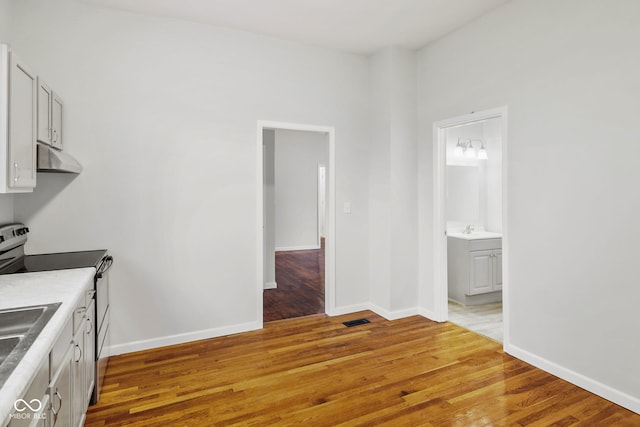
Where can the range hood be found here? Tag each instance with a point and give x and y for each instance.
(52, 160)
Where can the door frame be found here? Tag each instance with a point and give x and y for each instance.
(329, 268)
(322, 200)
(441, 310)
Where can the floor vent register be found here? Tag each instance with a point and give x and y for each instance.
(356, 322)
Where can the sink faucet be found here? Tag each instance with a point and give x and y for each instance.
(468, 229)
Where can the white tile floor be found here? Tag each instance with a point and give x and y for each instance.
(484, 319)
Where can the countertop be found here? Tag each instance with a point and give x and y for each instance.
(19, 290)
(476, 235)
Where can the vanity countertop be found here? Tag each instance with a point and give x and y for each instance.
(475, 235)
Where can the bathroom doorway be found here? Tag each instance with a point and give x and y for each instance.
(470, 194)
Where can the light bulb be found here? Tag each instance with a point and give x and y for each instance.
(482, 154)
(458, 151)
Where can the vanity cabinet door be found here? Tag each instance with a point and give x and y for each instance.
(480, 272)
(497, 270)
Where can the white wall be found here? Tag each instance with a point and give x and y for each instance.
(297, 156)
(568, 71)
(393, 190)
(6, 200)
(163, 116)
(5, 21)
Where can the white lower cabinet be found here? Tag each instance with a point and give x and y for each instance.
(77, 376)
(64, 382)
(485, 271)
(474, 268)
(60, 389)
(32, 409)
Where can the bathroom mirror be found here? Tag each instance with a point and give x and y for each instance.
(463, 193)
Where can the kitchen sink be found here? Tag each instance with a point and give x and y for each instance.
(7, 344)
(20, 320)
(19, 328)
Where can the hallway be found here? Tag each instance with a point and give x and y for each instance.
(300, 291)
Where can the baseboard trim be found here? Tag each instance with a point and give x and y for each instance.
(393, 315)
(616, 396)
(270, 285)
(431, 315)
(348, 309)
(296, 248)
(182, 338)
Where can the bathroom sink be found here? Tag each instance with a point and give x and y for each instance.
(19, 328)
(476, 235)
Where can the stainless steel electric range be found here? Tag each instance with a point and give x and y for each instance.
(14, 261)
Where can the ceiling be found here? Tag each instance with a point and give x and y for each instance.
(357, 26)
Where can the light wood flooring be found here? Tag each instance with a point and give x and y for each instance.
(485, 319)
(314, 371)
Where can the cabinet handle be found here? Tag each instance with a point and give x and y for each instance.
(53, 409)
(16, 175)
(90, 325)
(77, 360)
(55, 135)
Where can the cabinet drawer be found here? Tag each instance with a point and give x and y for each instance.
(484, 244)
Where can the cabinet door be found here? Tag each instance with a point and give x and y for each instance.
(56, 121)
(480, 272)
(89, 351)
(45, 97)
(497, 270)
(22, 125)
(78, 383)
(60, 393)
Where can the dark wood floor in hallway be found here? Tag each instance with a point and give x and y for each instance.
(300, 279)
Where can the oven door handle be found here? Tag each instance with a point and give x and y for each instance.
(105, 265)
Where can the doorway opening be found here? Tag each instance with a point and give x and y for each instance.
(296, 192)
(470, 200)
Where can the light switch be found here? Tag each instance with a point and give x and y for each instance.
(347, 207)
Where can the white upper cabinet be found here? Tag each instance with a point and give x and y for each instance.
(49, 116)
(18, 105)
(56, 121)
(45, 98)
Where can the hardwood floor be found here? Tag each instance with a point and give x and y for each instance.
(300, 279)
(314, 371)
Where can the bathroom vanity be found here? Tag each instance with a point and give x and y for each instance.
(474, 267)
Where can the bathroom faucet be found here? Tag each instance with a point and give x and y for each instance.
(468, 229)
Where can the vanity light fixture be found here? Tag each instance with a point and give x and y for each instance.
(464, 147)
